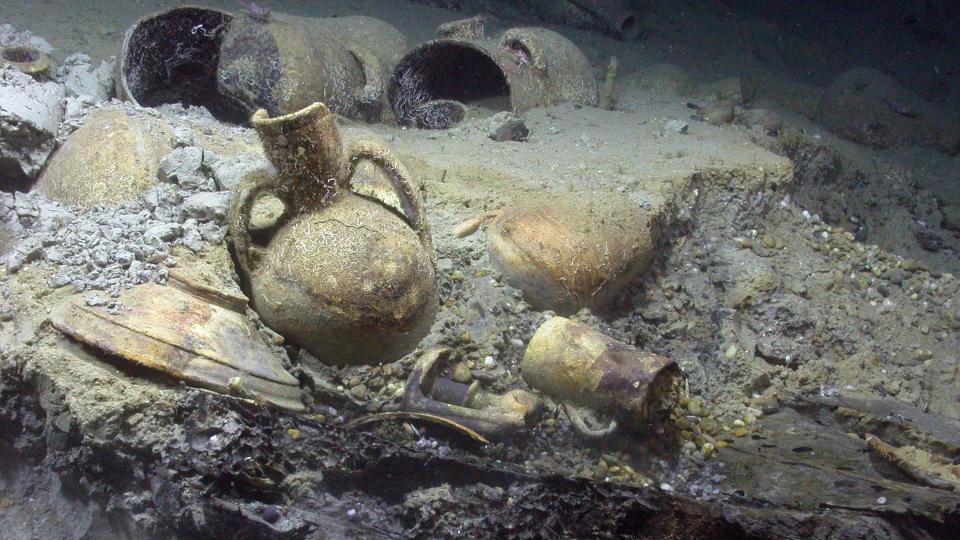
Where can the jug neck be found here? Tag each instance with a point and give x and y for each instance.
(306, 149)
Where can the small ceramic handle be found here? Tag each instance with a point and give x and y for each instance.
(239, 220)
(400, 179)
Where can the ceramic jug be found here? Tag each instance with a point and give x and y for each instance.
(347, 277)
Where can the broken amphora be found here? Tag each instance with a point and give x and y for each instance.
(577, 365)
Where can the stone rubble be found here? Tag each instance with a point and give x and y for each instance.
(109, 249)
(36, 115)
(30, 114)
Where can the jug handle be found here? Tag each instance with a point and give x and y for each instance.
(239, 220)
(372, 92)
(400, 179)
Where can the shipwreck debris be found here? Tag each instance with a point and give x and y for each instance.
(191, 330)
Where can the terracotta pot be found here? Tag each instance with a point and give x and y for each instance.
(285, 63)
(342, 275)
(29, 60)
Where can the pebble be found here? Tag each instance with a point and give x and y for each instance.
(707, 449)
(360, 392)
(461, 373)
(270, 514)
(507, 126)
(676, 126)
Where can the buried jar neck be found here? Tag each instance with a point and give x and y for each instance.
(306, 148)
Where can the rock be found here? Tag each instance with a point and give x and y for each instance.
(123, 258)
(749, 277)
(507, 126)
(360, 392)
(267, 211)
(30, 115)
(211, 232)
(951, 217)
(80, 79)
(722, 90)
(24, 253)
(160, 233)
(869, 107)
(183, 166)
(676, 126)
(928, 239)
(111, 159)
(53, 217)
(207, 206)
(182, 136)
(229, 172)
(461, 373)
(764, 119)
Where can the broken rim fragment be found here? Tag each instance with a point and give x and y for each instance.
(573, 363)
(189, 331)
(522, 69)
(29, 60)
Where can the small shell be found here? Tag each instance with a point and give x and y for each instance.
(473, 224)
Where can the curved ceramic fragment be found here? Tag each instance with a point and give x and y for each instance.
(193, 337)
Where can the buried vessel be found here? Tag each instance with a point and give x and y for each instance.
(565, 254)
(579, 366)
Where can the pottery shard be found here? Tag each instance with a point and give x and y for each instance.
(111, 159)
(191, 331)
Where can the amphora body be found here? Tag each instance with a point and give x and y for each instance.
(343, 275)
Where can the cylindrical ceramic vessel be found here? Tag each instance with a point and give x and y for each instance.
(523, 68)
(573, 363)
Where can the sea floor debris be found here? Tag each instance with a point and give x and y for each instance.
(816, 330)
